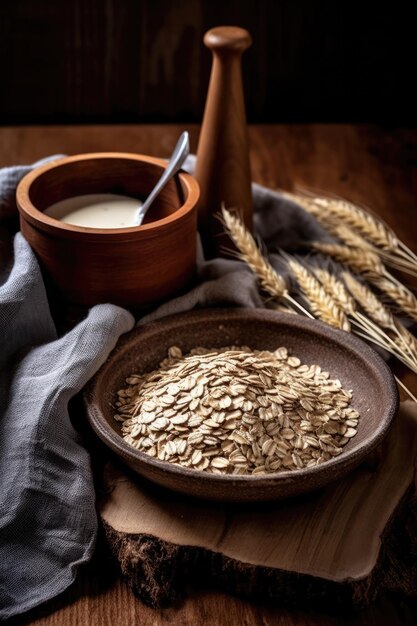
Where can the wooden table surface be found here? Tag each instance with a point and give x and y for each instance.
(367, 164)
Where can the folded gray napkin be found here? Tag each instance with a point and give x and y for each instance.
(48, 522)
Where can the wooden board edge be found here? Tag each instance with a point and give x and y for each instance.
(160, 573)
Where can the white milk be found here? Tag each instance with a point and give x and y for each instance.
(104, 210)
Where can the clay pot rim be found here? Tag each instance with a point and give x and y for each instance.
(38, 219)
(352, 346)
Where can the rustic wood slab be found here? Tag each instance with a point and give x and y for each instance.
(334, 547)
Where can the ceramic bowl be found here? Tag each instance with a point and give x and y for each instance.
(136, 267)
(346, 357)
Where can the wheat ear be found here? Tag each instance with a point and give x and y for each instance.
(403, 343)
(351, 238)
(361, 220)
(321, 304)
(248, 251)
(363, 326)
(336, 289)
(325, 307)
(369, 302)
(400, 295)
(338, 214)
(364, 262)
(371, 227)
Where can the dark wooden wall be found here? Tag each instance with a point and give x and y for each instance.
(143, 60)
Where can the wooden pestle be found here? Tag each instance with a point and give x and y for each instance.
(223, 169)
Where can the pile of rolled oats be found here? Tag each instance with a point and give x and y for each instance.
(237, 411)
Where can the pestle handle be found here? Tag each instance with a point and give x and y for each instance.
(227, 39)
(223, 170)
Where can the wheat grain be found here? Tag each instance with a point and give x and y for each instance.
(400, 295)
(367, 263)
(321, 304)
(369, 302)
(362, 261)
(352, 239)
(367, 224)
(336, 290)
(248, 252)
(338, 214)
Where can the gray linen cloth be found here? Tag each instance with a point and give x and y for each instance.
(48, 522)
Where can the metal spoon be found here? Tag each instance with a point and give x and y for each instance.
(178, 157)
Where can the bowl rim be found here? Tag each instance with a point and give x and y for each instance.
(37, 218)
(348, 341)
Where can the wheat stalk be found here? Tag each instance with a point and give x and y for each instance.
(363, 221)
(400, 295)
(406, 341)
(272, 282)
(248, 251)
(321, 304)
(362, 326)
(370, 227)
(365, 262)
(336, 289)
(282, 308)
(403, 344)
(406, 389)
(350, 214)
(352, 239)
(353, 222)
(367, 329)
(369, 302)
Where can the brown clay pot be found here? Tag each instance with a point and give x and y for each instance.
(137, 266)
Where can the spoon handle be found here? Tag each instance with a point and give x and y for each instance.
(180, 153)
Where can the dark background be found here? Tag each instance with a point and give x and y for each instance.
(144, 61)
